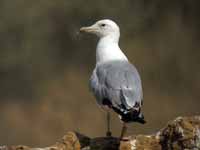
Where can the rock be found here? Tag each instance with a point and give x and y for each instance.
(183, 133)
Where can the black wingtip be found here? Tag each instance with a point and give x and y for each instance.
(141, 119)
(131, 117)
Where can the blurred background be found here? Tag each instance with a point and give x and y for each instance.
(45, 65)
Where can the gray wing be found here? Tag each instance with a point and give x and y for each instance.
(119, 82)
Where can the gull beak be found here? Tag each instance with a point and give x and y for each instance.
(90, 29)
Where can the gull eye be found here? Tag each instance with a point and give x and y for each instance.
(103, 25)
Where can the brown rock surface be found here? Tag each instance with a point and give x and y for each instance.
(183, 133)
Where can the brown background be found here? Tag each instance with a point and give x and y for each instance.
(45, 65)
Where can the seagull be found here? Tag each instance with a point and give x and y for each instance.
(115, 82)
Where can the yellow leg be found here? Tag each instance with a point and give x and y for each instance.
(108, 133)
(123, 132)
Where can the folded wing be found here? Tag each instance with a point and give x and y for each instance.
(118, 82)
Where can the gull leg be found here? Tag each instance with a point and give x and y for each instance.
(123, 132)
(108, 133)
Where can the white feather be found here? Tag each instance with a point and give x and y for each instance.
(108, 49)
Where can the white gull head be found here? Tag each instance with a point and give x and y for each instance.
(107, 47)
